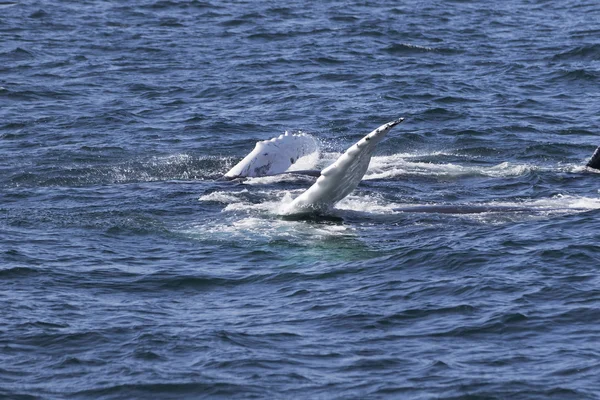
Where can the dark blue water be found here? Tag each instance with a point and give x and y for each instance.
(127, 270)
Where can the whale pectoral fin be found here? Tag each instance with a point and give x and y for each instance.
(340, 178)
(595, 160)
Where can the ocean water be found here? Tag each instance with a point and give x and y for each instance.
(128, 270)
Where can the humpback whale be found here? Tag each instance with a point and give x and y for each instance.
(276, 156)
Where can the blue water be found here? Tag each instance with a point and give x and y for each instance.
(127, 270)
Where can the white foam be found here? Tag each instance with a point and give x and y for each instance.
(417, 47)
(266, 206)
(578, 168)
(372, 204)
(257, 229)
(267, 180)
(385, 167)
(223, 197)
(278, 199)
(557, 203)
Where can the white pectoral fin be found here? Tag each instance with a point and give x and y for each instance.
(340, 178)
(275, 156)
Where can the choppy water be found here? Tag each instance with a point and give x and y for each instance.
(128, 271)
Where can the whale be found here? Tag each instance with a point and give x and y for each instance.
(274, 156)
(341, 178)
(278, 156)
(594, 162)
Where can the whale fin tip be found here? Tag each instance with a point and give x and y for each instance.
(594, 162)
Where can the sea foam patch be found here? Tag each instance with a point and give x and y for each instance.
(385, 167)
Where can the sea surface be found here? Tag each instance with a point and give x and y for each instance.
(128, 270)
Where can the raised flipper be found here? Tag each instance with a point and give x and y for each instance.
(595, 160)
(340, 178)
(275, 156)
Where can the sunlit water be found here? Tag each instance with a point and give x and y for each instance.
(128, 270)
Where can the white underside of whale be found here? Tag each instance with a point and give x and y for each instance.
(274, 156)
(340, 178)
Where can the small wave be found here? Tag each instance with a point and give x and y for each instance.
(17, 272)
(268, 36)
(165, 4)
(245, 19)
(162, 280)
(178, 166)
(17, 54)
(339, 76)
(222, 197)
(344, 18)
(561, 202)
(171, 389)
(164, 168)
(453, 100)
(173, 167)
(39, 14)
(36, 93)
(585, 52)
(408, 48)
(6, 4)
(579, 74)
